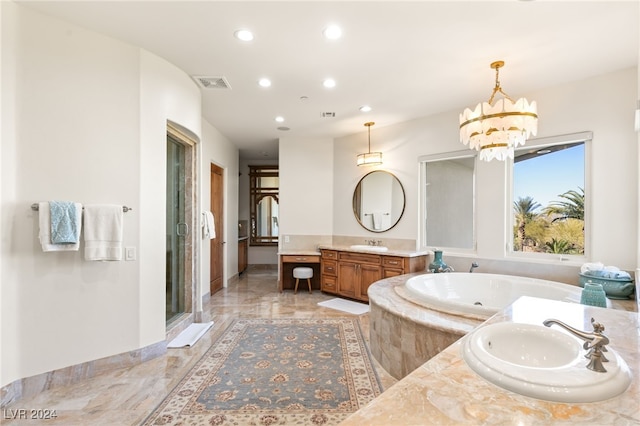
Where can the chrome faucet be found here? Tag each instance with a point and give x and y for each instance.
(373, 242)
(595, 342)
(447, 269)
(474, 265)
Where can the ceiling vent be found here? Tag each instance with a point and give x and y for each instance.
(328, 114)
(212, 82)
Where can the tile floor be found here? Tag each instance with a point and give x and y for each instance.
(127, 396)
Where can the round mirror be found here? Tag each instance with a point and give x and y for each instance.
(378, 201)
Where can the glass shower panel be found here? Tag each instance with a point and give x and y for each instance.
(176, 229)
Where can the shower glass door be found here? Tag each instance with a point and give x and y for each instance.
(177, 229)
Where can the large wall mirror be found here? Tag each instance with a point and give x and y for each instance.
(264, 186)
(378, 201)
(448, 201)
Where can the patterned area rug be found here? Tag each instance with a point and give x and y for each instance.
(276, 372)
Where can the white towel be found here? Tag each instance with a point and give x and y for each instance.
(103, 229)
(208, 225)
(44, 222)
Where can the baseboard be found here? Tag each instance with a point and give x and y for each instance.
(31, 386)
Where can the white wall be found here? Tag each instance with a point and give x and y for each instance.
(306, 186)
(603, 105)
(84, 119)
(220, 151)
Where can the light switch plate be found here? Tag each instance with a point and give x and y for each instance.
(130, 253)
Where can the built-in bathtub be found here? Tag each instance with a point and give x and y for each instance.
(405, 334)
(480, 295)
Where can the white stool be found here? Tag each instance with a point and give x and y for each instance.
(302, 272)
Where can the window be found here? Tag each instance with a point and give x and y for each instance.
(548, 197)
(447, 206)
(263, 203)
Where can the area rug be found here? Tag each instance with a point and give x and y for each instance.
(345, 306)
(275, 372)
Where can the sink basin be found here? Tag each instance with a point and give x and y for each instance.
(541, 362)
(369, 248)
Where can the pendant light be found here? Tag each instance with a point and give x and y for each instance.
(369, 158)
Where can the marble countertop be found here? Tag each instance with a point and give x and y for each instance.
(445, 390)
(389, 252)
(299, 253)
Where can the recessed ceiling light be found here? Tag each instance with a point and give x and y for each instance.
(329, 83)
(283, 128)
(279, 119)
(264, 82)
(365, 108)
(543, 151)
(244, 35)
(332, 32)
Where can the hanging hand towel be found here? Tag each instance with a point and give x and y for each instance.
(65, 222)
(103, 229)
(44, 222)
(377, 220)
(208, 225)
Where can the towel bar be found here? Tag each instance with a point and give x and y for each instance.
(36, 207)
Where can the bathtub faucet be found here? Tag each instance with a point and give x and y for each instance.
(447, 269)
(474, 265)
(595, 342)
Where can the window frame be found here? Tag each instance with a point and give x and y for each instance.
(422, 197)
(538, 143)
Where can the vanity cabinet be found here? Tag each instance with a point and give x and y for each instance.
(349, 274)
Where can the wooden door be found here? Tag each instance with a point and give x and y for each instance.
(216, 268)
(368, 275)
(348, 278)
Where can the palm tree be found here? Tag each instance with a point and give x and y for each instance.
(525, 211)
(559, 246)
(571, 208)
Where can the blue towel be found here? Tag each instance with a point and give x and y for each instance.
(65, 227)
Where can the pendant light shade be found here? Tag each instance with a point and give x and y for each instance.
(496, 128)
(369, 158)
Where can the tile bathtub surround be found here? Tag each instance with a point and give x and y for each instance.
(404, 335)
(127, 395)
(446, 391)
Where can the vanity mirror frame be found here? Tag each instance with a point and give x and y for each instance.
(258, 192)
(357, 200)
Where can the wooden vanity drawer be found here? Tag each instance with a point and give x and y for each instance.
(373, 259)
(393, 262)
(329, 267)
(300, 259)
(328, 284)
(329, 254)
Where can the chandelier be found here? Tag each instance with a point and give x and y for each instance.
(495, 129)
(369, 158)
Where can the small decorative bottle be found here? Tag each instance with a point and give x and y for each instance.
(438, 264)
(594, 295)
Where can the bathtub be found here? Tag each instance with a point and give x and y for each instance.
(478, 295)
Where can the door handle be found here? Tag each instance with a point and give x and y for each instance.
(182, 229)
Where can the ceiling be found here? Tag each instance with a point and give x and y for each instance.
(404, 59)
